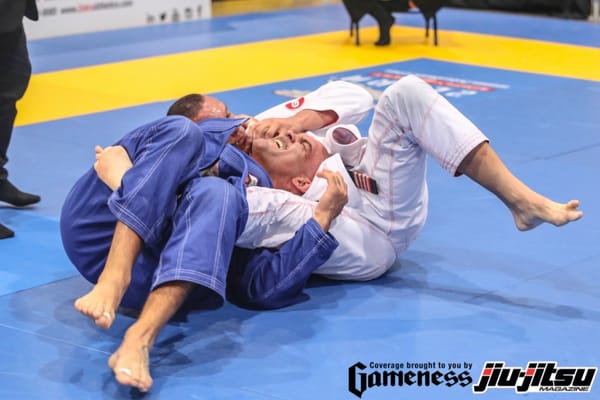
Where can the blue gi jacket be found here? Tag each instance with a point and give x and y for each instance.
(275, 278)
(168, 155)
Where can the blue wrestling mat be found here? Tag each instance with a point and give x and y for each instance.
(470, 291)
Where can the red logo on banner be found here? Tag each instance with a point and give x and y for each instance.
(296, 103)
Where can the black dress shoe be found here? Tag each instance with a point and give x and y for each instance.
(5, 233)
(383, 41)
(10, 194)
(384, 32)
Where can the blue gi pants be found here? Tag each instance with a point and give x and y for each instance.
(188, 223)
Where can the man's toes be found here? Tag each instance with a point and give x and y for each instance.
(125, 371)
(107, 315)
(105, 319)
(144, 385)
(125, 377)
(79, 305)
(112, 361)
(573, 204)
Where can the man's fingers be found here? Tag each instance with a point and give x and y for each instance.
(267, 129)
(332, 177)
(272, 131)
(257, 129)
(336, 186)
(261, 131)
(324, 173)
(333, 200)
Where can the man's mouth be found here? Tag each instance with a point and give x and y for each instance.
(280, 144)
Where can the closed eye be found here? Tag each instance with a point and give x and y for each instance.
(307, 147)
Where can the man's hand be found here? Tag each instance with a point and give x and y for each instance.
(111, 164)
(302, 121)
(242, 137)
(333, 200)
(272, 127)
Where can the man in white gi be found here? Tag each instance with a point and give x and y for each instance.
(411, 120)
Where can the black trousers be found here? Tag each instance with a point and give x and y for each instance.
(15, 72)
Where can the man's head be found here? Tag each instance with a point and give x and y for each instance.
(291, 160)
(198, 107)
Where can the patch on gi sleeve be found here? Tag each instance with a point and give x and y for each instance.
(294, 104)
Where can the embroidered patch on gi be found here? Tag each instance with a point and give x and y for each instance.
(294, 104)
(364, 182)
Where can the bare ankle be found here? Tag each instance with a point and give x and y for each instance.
(142, 335)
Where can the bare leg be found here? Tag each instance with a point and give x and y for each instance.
(101, 303)
(130, 362)
(529, 209)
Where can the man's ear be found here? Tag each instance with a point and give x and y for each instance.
(301, 184)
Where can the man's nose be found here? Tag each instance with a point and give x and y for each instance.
(292, 136)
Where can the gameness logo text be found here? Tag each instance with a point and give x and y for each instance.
(397, 375)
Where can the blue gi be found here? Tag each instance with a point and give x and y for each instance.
(188, 223)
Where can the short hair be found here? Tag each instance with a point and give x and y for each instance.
(188, 106)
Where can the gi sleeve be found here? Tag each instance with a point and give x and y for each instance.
(274, 278)
(350, 102)
(363, 251)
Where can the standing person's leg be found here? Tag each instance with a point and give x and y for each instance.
(211, 216)
(384, 19)
(15, 71)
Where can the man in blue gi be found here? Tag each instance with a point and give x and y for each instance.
(139, 239)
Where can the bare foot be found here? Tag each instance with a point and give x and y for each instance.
(111, 164)
(101, 303)
(542, 209)
(131, 364)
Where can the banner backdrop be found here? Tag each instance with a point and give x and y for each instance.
(66, 17)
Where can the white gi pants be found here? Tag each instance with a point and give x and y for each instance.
(411, 120)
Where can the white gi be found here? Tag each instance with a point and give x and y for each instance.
(411, 120)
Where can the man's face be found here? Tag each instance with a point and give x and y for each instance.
(212, 108)
(289, 156)
(285, 158)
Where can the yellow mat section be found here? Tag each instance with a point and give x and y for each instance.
(80, 91)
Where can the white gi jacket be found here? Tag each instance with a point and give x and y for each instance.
(411, 120)
(364, 252)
